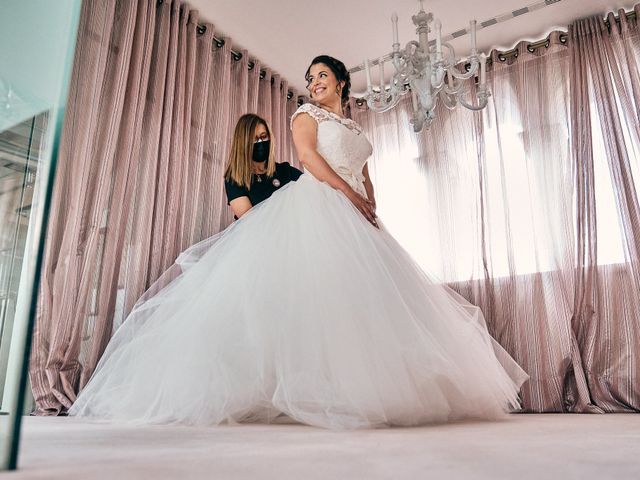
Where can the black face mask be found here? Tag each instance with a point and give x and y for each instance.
(261, 151)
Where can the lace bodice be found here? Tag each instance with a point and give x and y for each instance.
(341, 143)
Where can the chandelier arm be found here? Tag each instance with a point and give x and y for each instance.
(448, 100)
(465, 76)
(395, 61)
(405, 71)
(451, 57)
(381, 102)
(454, 88)
(435, 91)
(454, 91)
(387, 107)
(483, 100)
(397, 87)
(392, 103)
(380, 109)
(402, 66)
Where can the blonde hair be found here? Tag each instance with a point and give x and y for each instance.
(240, 164)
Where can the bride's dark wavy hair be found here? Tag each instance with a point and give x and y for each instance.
(338, 69)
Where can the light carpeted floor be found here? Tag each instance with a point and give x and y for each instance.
(537, 447)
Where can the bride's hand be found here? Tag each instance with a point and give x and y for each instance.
(365, 206)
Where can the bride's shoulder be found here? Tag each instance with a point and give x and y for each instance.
(315, 112)
(309, 107)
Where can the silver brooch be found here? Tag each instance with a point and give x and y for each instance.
(276, 182)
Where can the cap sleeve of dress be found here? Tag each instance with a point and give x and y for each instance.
(310, 109)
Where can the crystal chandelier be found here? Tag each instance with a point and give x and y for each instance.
(430, 73)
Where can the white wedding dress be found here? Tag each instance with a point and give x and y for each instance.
(303, 308)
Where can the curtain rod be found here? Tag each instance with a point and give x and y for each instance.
(237, 56)
(532, 47)
(514, 52)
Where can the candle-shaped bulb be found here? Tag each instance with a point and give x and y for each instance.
(472, 28)
(367, 71)
(381, 69)
(394, 25)
(438, 27)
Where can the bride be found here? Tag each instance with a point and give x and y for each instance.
(305, 307)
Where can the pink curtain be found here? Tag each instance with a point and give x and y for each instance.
(606, 157)
(151, 110)
(529, 210)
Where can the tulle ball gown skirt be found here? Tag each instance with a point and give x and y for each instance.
(301, 308)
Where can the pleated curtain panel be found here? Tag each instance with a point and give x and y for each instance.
(528, 209)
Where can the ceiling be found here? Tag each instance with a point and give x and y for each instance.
(287, 34)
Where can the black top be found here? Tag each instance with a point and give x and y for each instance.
(263, 186)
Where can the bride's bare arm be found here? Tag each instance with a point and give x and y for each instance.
(368, 186)
(304, 132)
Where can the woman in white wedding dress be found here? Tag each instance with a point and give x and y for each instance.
(306, 306)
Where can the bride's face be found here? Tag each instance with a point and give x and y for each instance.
(322, 83)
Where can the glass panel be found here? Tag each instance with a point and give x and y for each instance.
(37, 42)
(20, 150)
